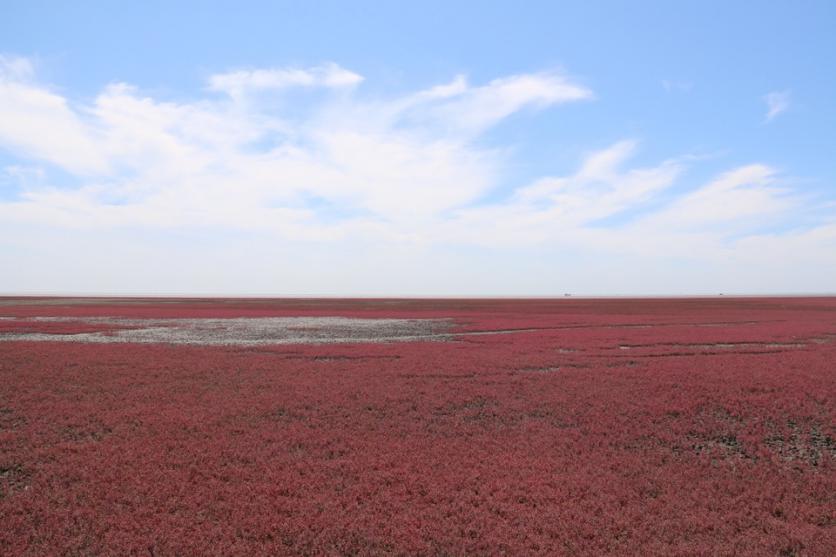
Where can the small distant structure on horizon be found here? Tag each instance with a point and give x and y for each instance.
(567, 295)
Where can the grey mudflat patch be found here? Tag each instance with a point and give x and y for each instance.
(243, 331)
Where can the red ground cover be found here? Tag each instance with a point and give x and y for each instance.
(652, 427)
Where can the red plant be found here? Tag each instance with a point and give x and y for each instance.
(600, 426)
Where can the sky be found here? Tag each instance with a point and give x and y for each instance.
(417, 148)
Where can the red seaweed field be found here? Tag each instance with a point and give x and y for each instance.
(694, 426)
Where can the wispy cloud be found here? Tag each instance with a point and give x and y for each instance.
(15, 68)
(671, 85)
(777, 102)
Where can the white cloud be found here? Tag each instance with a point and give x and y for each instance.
(38, 123)
(232, 163)
(777, 102)
(735, 195)
(382, 187)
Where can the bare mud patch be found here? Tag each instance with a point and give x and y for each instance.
(241, 331)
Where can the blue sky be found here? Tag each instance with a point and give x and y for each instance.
(489, 148)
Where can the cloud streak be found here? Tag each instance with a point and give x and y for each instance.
(238, 83)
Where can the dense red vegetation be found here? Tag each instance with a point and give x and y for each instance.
(699, 426)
